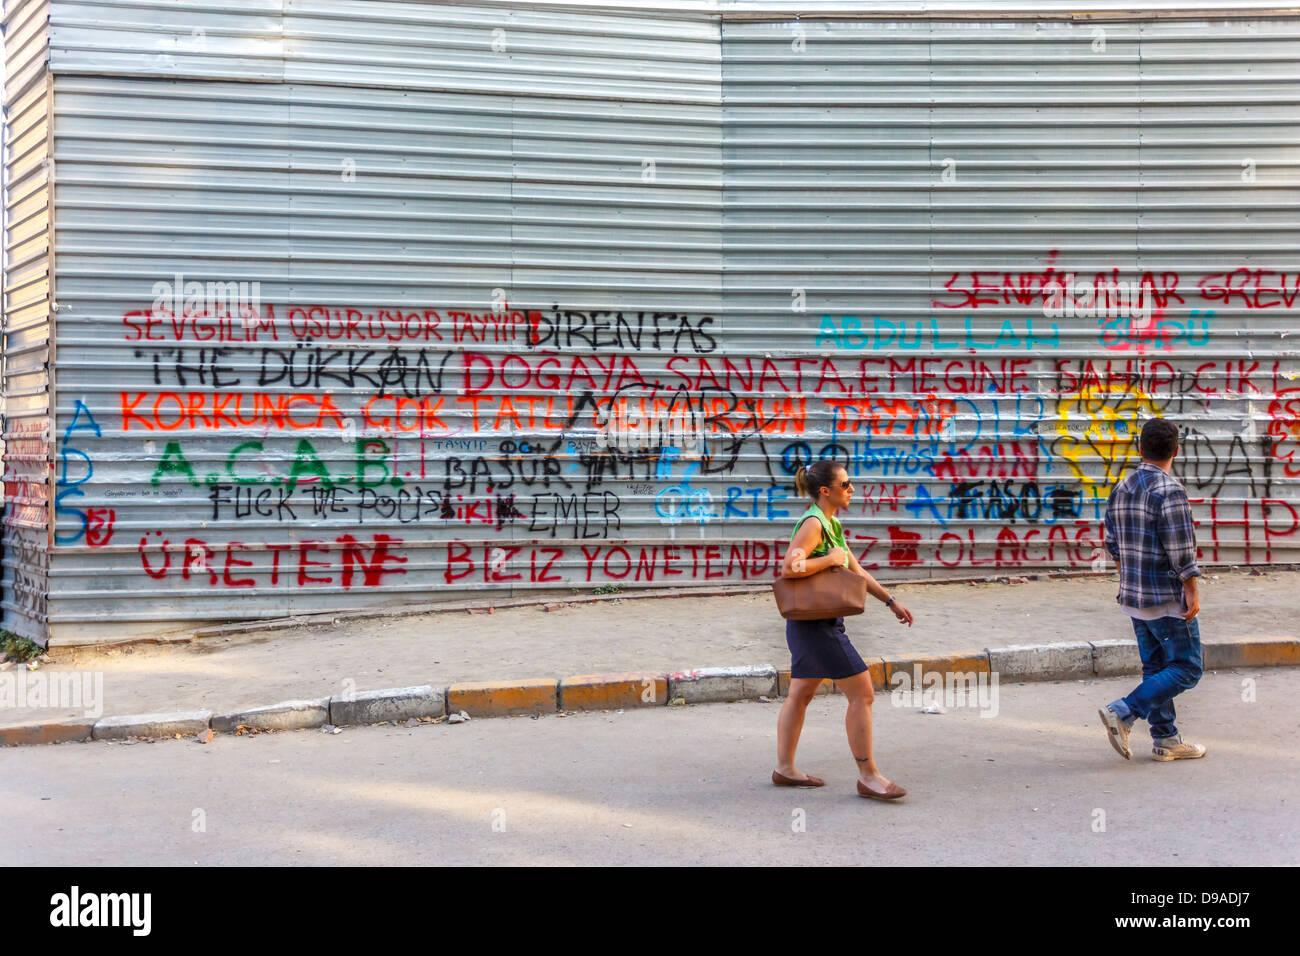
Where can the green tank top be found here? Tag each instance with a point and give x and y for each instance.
(832, 533)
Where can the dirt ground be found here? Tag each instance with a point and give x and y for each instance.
(655, 634)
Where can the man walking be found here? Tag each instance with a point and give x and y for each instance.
(1149, 533)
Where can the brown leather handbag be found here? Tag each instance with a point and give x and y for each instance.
(833, 592)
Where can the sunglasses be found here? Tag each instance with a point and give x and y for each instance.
(843, 484)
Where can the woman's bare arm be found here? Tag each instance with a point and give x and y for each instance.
(879, 593)
(807, 538)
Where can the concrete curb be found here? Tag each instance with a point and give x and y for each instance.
(1115, 658)
(51, 733)
(541, 696)
(152, 725)
(505, 698)
(1260, 652)
(374, 706)
(287, 715)
(613, 691)
(718, 684)
(1041, 661)
(941, 663)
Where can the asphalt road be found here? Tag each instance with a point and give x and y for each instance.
(1035, 784)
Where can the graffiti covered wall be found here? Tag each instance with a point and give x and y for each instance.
(26, 380)
(511, 299)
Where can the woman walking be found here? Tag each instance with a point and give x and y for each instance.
(821, 649)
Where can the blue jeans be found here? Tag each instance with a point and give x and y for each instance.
(1170, 649)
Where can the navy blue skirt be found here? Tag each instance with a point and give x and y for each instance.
(822, 649)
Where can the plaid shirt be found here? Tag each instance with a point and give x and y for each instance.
(1149, 530)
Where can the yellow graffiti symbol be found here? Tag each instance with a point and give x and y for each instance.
(1101, 424)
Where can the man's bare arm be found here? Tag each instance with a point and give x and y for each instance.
(1192, 598)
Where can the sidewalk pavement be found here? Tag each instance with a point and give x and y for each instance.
(259, 666)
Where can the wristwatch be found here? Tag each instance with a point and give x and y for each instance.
(890, 601)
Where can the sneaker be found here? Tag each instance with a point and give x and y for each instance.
(1117, 732)
(1175, 748)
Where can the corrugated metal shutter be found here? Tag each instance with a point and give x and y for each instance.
(924, 181)
(416, 175)
(815, 239)
(26, 380)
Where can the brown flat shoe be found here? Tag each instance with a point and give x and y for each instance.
(783, 781)
(892, 793)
